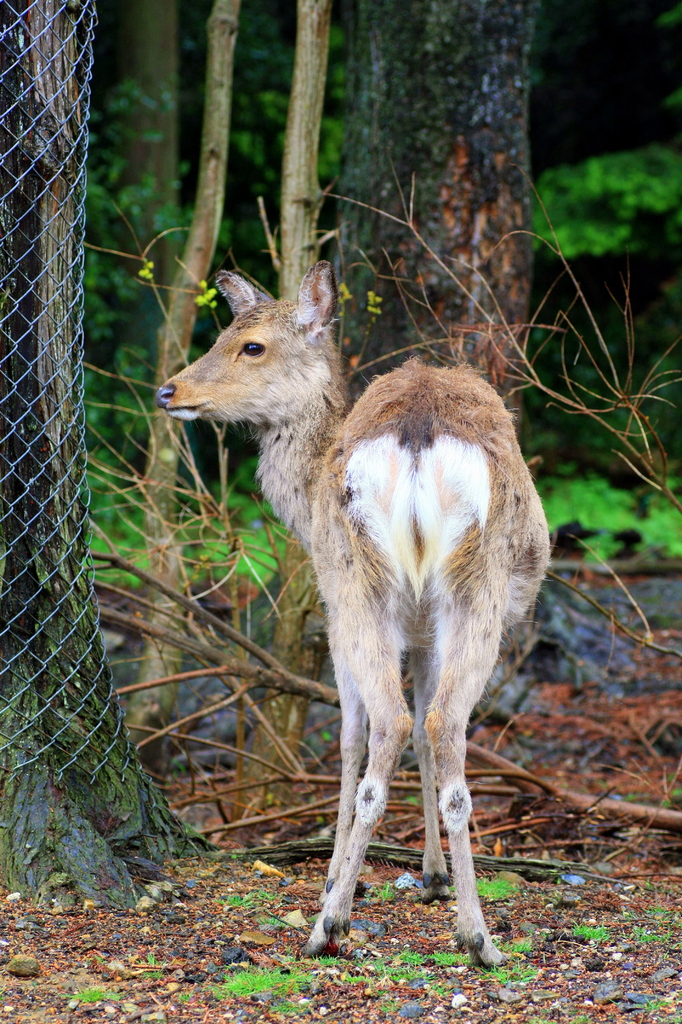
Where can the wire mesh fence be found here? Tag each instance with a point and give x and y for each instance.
(56, 688)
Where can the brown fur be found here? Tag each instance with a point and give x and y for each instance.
(294, 395)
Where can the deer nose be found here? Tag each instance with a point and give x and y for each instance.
(164, 395)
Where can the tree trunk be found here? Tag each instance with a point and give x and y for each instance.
(300, 207)
(148, 58)
(154, 708)
(437, 94)
(73, 800)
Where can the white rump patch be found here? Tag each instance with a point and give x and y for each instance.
(417, 508)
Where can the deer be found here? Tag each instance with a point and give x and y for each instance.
(428, 540)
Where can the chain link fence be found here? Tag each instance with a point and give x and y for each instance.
(56, 705)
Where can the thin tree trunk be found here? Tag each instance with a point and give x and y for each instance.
(73, 800)
(148, 56)
(300, 208)
(437, 96)
(155, 707)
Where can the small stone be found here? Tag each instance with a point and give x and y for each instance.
(22, 966)
(543, 995)
(418, 983)
(174, 918)
(568, 899)
(406, 881)
(295, 919)
(159, 1016)
(607, 992)
(110, 1009)
(411, 1010)
(638, 998)
(258, 938)
(178, 975)
(144, 905)
(373, 928)
(13, 897)
(155, 892)
(573, 879)
(73, 1004)
(458, 1001)
(119, 970)
(235, 955)
(507, 995)
(665, 973)
(172, 987)
(89, 905)
(595, 963)
(128, 1007)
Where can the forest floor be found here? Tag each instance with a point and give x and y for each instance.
(219, 940)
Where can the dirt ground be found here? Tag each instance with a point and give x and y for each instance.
(226, 951)
(221, 940)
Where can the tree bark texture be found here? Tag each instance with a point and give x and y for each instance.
(154, 708)
(437, 96)
(301, 197)
(300, 207)
(73, 800)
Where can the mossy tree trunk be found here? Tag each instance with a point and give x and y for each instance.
(437, 94)
(300, 207)
(74, 802)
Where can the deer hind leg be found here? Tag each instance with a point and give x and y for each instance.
(467, 657)
(435, 872)
(373, 658)
(353, 746)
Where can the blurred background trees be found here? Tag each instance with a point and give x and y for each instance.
(605, 125)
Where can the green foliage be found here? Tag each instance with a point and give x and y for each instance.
(593, 933)
(250, 981)
(513, 971)
(409, 956)
(599, 506)
(496, 888)
(96, 995)
(614, 203)
(450, 959)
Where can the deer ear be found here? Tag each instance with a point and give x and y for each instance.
(240, 293)
(317, 300)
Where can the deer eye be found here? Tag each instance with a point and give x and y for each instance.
(252, 348)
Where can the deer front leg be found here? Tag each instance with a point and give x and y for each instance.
(435, 873)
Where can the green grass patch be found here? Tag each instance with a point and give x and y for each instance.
(252, 981)
(449, 959)
(96, 995)
(496, 888)
(408, 956)
(641, 934)
(511, 972)
(592, 933)
(386, 892)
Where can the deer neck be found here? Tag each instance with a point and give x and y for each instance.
(292, 455)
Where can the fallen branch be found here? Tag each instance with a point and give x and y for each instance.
(401, 856)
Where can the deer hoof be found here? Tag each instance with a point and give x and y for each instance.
(326, 937)
(481, 949)
(436, 887)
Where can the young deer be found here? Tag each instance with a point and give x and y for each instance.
(427, 535)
